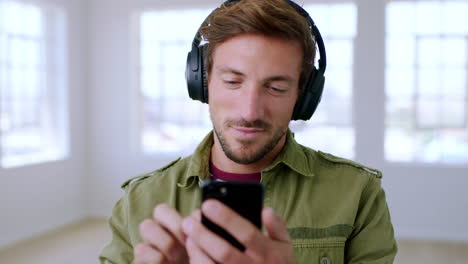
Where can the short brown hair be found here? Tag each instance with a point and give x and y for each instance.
(273, 18)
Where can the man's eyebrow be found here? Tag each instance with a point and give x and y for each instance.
(284, 78)
(225, 69)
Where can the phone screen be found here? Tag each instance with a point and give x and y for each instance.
(246, 198)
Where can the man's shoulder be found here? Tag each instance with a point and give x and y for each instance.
(173, 169)
(327, 162)
(336, 162)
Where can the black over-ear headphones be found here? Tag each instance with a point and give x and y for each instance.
(195, 72)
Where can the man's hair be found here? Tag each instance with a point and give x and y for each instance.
(272, 18)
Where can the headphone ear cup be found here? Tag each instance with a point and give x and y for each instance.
(195, 75)
(310, 97)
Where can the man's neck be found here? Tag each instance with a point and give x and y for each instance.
(221, 161)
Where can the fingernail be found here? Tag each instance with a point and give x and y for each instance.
(187, 225)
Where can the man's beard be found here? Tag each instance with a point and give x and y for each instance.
(255, 156)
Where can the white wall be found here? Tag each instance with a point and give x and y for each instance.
(38, 198)
(428, 203)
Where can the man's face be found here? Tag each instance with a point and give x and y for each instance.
(253, 87)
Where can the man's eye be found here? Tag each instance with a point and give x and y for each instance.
(230, 82)
(277, 90)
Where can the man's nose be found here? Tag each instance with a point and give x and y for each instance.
(252, 103)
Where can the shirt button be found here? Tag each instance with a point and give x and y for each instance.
(325, 260)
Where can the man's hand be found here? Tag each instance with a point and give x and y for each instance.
(204, 246)
(164, 241)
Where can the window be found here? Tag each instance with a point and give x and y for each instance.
(330, 129)
(170, 121)
(32, 83)
(426, 82)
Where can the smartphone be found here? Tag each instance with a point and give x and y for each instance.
(245, 198)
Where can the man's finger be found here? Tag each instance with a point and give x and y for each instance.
(214, 246)
(195, 253)
(146, 254)
(275, 225)
(170, 219)
(197, 215)
(156, 236)
(239, 227)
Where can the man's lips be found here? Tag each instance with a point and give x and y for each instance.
(247, 133)
(248, 129)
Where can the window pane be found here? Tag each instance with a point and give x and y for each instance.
(428, 17)
(400, 19)
(400, 52)
(400, 113)
(428, 113)
(429, 82)
(174, 84)
(429, 51)
(453, 112)
(455, 18)
(401, 81)
(150, 83)
(427, 101)
(454, 51)
(340, 50)
(454, 82)
(337, 24)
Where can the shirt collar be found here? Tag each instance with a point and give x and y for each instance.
(293, 156)
(198, 168)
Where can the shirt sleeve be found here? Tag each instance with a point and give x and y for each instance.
(119, 250)
(372, 240)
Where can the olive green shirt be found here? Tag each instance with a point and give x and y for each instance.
(335, 209)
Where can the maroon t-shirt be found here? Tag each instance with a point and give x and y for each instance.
(219, 175)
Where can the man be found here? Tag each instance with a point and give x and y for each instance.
(318, 208)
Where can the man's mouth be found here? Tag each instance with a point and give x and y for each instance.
(247, 132)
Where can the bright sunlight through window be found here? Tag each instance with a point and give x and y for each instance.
(330, 129)
(32, 84)
(171, 121)
(426, 82)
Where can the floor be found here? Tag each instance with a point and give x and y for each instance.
(80, 243)
(75, 244)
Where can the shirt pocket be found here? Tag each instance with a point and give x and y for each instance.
(319, 251)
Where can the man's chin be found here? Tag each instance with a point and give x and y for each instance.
(246, 145)
(245, 151)
(243, 157)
